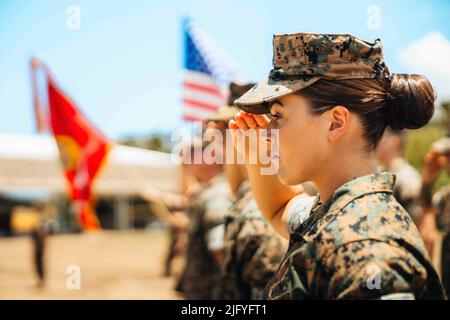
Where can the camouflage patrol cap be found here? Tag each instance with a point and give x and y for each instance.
(226, 113)
(301, 59)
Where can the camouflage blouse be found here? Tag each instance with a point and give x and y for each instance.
(360, 244)
(253, 251)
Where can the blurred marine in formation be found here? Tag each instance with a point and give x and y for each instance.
(390, 154)
(253, 250)
(39, 236)
(206, 211)
(170, 209)
(436, 206)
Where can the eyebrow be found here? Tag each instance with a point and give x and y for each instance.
(271, 103)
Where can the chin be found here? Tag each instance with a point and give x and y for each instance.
(286, 179)
(290, 177)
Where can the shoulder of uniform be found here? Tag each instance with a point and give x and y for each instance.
(375, 216)
(371, 268)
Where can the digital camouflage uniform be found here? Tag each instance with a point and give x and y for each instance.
(253, 250)
(441, 201)
(360, 244)
(407, 187)
(201, 277)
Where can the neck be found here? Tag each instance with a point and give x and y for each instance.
(340, 171)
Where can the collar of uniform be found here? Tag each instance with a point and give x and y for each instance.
(357, 187)
(353, 189)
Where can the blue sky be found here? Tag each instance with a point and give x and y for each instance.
(123, 67)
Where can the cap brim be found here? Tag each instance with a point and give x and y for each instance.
(223, 114)
(255, 100)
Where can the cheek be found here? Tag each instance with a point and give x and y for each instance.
(292, 144)
(301, 147)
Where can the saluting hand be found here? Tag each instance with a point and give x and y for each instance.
(240, 127)
(433, 164)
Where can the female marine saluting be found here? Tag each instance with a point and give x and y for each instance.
(331, 98)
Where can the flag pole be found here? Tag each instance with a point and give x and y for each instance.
(35, 64)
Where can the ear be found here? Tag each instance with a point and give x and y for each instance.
(339, 118)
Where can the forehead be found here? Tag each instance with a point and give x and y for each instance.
(288, 101)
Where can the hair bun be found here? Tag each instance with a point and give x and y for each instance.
(412, 101)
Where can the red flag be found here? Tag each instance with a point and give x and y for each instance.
(83, 150)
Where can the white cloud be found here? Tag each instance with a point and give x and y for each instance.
(429, 56)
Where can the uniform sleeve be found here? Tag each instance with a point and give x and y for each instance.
(260, 252)
(371, 269)
(300, 211)
(214, 222)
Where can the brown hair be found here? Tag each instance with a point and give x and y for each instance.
(401, 102)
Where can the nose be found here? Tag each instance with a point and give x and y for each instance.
(273, 125)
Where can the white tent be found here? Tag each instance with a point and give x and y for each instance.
(31, 162)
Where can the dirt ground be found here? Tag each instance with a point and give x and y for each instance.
(112, 264)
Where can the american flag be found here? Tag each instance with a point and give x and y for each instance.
(207, 73)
